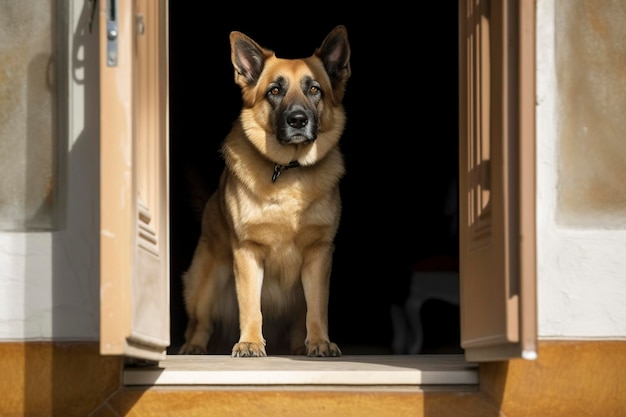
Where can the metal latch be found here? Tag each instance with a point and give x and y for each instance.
(112, 34)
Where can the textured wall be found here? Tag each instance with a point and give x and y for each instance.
(28, 129)
(591, 76)
(49, 282)
(581, 270)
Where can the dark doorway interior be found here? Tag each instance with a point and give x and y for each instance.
(400, 146)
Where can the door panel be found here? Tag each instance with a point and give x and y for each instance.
(134, 212)
(496, 148)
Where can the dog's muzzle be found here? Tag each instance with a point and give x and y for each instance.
(297, 125)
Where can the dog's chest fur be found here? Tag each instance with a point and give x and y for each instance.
(284, 218)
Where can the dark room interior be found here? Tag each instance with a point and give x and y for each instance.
(400, 146)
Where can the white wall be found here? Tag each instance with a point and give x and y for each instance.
(49, 285)
(581, 270)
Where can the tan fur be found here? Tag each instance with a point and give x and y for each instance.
(264, 256)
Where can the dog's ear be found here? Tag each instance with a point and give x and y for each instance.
(248, 58)
(335, 54)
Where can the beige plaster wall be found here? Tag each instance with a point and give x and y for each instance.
(591, 82)
(29, 137)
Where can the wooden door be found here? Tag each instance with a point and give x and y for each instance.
(134, 213)
(497, 179)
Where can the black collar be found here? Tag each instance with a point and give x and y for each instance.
(279, 168)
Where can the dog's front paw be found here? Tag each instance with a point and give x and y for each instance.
(246, 350)
(323, 348)
(189, 349)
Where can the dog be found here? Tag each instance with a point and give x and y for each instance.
(264, 256)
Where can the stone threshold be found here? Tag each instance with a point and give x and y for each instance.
(352, 370)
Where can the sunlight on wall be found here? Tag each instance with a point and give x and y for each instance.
(28, 108)
(591, 72)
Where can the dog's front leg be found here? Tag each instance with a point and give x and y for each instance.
(248, 268)
(315, 281)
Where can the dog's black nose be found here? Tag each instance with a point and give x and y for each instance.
(297, 119)
(296, 125)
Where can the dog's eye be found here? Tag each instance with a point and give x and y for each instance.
(314, 89)
(274, 91)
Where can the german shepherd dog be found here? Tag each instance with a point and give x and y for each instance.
(264, 256)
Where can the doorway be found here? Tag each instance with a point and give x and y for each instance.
(400, 147)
